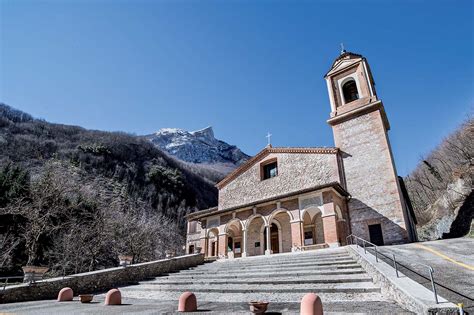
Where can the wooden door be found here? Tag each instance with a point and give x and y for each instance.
(376, 235)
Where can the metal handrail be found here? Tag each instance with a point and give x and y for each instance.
(7, 278)
(395, 264)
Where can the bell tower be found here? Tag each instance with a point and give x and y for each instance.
(376, 208)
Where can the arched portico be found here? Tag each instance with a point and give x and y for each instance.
(313, 227)
(235, 238)
(213, 242)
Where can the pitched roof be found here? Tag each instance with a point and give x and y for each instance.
(267, 150)
(346, 55)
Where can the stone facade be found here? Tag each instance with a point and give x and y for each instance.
(298, 221)
(360, 131)
(315, 197)
(296, 171)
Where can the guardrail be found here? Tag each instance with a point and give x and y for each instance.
(8, 278)
(393, 258)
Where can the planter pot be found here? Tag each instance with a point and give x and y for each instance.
(170, 253)
(258, 307)
(125, 260)
(86, 298)
(33, 273)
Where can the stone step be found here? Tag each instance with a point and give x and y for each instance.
(356, 287)
(276, 267)
(275, 281)
(274, 259)
(282, 273)
(214, 266)
(128, 292)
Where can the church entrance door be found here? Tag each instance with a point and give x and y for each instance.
(213, 249)
(274, 241)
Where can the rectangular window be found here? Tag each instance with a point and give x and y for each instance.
(270, 170)
(192, 227)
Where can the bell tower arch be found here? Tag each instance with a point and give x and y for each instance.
(360, 127)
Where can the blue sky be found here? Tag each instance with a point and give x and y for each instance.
(244, 67)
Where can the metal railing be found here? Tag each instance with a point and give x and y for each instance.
(8, 278)
(393, 258)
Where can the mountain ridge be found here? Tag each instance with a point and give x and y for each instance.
(199, 147)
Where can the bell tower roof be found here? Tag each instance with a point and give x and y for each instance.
(346, 58)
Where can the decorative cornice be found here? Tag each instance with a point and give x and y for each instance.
(362, 109)
(333, 185)
(268, 150)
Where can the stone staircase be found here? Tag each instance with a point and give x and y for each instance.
(281, 279)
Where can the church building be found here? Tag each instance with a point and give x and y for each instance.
(288, 199)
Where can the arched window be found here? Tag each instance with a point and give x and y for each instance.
(349, 90)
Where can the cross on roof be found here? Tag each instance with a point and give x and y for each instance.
(343, 50)
(269, 136)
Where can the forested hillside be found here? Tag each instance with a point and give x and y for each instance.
(440, 187)
(73, 199)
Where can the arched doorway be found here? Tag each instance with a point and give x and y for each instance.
(255, 226)
(274, 238)
(213, 243)
(313, 227)
(234, 233)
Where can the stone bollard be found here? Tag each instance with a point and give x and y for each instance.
(187, 302)
(113, 297)
(311, 305)
(65, 294)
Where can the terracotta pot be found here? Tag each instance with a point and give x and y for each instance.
(170, 253)
(33, 273)
(258, 307)
(86, 298)
(125, 260)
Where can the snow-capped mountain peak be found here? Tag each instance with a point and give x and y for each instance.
(198, 146)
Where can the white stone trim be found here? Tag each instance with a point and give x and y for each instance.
(342, 81)
(331, 96)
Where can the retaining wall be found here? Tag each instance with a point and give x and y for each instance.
(98, 281)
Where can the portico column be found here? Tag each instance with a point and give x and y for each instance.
(222, 244)
(268, 251)
(204, 246)
(330, 230)
(244, 243)
(295, 234)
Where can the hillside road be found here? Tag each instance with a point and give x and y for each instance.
(453, 264)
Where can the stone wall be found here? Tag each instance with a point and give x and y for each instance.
(98, 281)
(370, 177)
(296, 171)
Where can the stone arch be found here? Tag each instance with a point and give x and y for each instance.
(280, 237)
(252, 217)
(278, 211)
(213, 242)
(254, 241)
(313, 225)
(283, 218)
(232, 222)
(312, 211)
(318, 224)
(234, 237)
